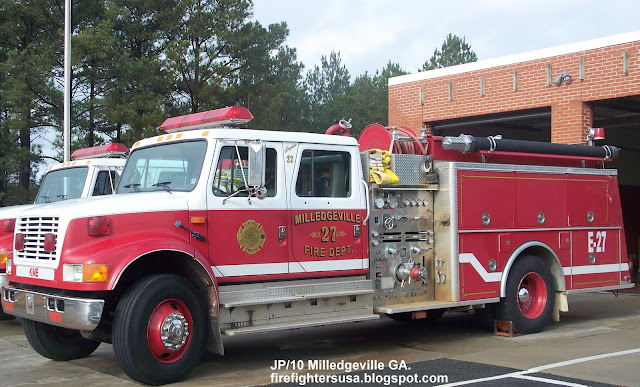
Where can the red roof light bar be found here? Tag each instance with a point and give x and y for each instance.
(234, 115)
(106, 150)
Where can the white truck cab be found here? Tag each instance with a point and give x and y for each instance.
(93, 171)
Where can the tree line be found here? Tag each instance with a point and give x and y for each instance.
(137, 62)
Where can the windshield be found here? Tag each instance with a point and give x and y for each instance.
(173, 166)
(62, 184)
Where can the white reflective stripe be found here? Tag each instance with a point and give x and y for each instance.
(343, 264)
(252, 269)
(576, 270)
(486, 276)
(291, 267)
(596, 269)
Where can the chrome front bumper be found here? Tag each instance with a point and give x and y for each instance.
(74, 313)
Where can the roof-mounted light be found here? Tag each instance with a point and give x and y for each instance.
(106, 150)
(234, 115)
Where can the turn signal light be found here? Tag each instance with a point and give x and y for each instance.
(8, 225)
(18, 242)
(99, 226)
(4, 255)
(94, 273)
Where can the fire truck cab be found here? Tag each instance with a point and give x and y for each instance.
(92, 172)
(224, 231)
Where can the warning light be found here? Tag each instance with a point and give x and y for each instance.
(234, 115)
(106, 150)
(8, 225)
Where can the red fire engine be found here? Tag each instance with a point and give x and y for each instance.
(92, 171)
(216, 231)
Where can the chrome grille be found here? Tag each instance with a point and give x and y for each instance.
(34, 230)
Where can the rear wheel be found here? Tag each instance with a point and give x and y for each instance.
(530, 295)
(57, 343)
(159, 330)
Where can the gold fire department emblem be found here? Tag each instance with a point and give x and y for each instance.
(251, 236)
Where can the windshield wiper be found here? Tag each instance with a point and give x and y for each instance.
(47, 199)
(62, 197)
(134, 186)
(163, 184)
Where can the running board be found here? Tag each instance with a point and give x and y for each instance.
(299, 324)
(232, 296)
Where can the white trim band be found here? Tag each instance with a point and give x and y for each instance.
(290, 267)
(575, 270)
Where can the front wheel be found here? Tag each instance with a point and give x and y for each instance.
(530, 295)
(159, 330)
(57, 343)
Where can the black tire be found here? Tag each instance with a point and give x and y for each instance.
(432, 316)
(57, 343)
(139, 348)
(531, 312)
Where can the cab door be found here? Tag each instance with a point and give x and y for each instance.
(247, 240)
(327, 210)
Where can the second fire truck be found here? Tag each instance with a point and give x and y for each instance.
(216, 231)
(92, 172)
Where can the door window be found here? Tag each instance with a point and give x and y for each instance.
(232, 169)
(324, 174)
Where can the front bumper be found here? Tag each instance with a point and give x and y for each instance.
(74, 313)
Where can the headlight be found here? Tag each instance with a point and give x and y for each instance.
(85, 273)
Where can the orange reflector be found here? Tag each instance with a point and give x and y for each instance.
(95, 273)
(198, 220)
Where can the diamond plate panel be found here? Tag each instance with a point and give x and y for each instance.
(446, 235)
(409, 168)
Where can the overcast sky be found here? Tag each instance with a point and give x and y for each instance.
(369, 33)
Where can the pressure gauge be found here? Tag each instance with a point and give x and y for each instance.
(407, 202)
(393, 202)
(379, 203)
(419, 201)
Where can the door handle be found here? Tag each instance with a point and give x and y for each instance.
(282, 233)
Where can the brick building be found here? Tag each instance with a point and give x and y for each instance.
(554, 94)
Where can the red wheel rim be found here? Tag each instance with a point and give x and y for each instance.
(532, 295)
(169, 331)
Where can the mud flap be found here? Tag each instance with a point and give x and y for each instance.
(562, 305)
(214, 338)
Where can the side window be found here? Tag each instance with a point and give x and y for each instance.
(324, 174)
(104, 184)
(230, 168)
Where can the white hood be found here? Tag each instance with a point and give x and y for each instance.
(111, 205)
(12, 212)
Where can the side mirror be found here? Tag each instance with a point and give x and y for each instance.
(257, 163)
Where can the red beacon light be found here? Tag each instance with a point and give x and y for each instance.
(106, 150)
(234, 115)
